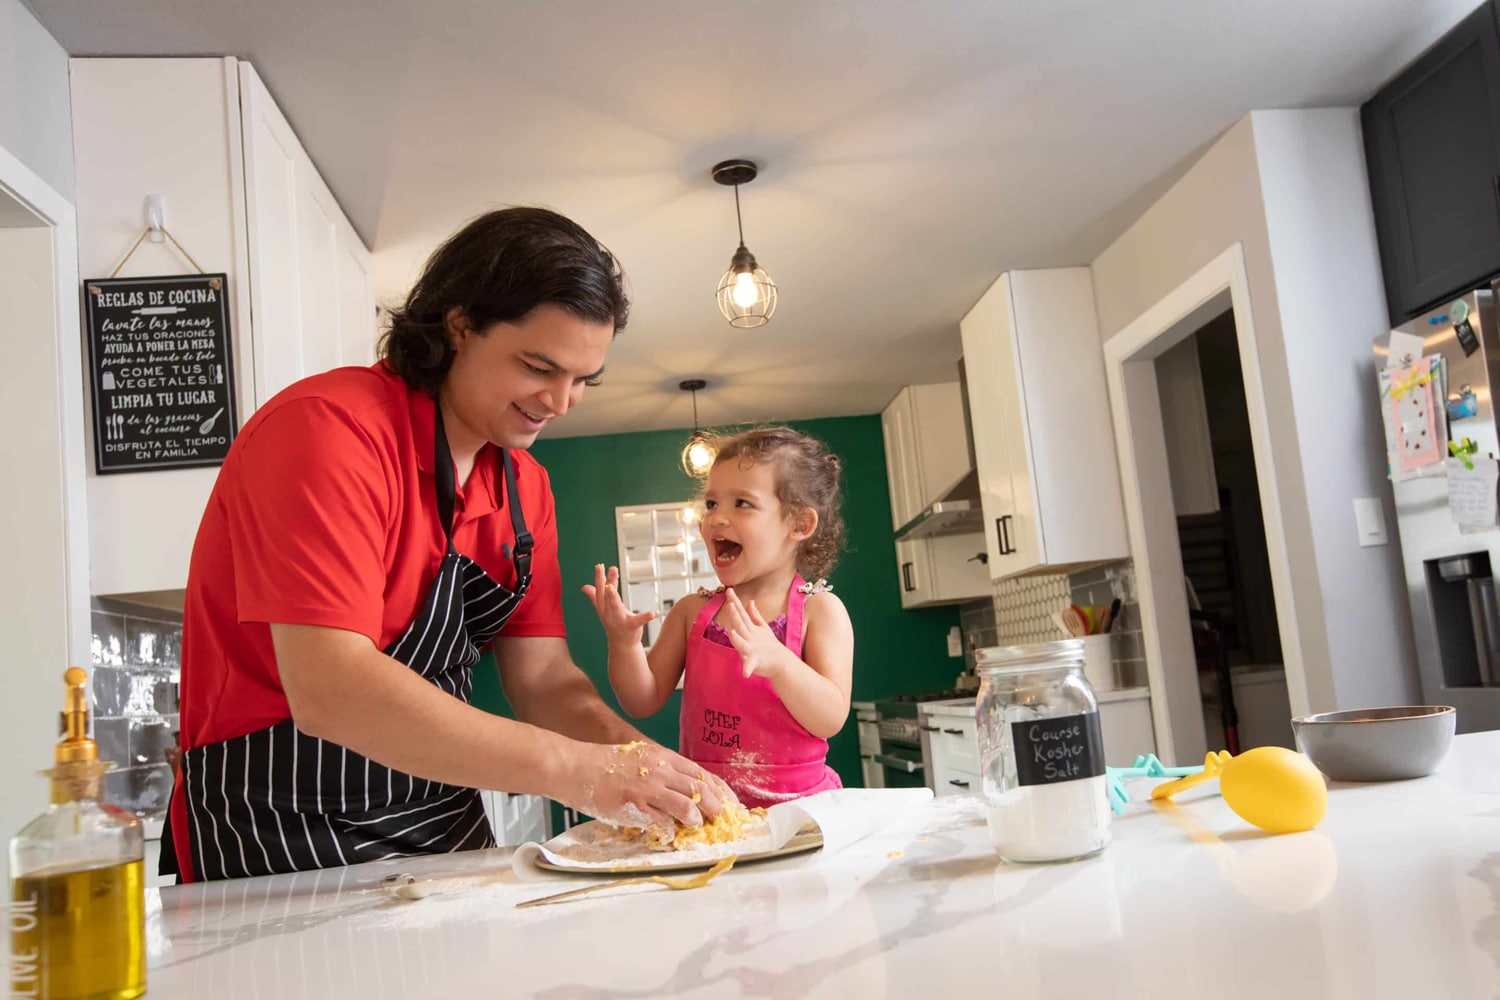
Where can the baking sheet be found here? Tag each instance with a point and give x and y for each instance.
(840, 817)
(809, 838)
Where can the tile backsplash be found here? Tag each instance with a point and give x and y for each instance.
(1021, 613)
(136, 652)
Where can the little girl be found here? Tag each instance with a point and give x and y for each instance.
(768, 658)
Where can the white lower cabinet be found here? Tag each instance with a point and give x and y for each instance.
(950, 737)
(942, 570)
(867, 724)
(516, 819)
(1125, 720)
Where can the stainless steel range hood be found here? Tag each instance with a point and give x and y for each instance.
(957, 510)
(957, 513)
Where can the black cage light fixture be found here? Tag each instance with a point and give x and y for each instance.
(747, 295)
(698, 453)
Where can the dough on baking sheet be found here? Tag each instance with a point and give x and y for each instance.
(735, 822)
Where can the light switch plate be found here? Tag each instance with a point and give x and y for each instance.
(1369, 520)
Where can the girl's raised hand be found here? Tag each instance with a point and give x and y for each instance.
(759, 649)
(620, 625)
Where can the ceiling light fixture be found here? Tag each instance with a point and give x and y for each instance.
(698, 453)
(747, 295)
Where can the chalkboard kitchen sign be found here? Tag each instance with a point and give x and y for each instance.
(161, 371)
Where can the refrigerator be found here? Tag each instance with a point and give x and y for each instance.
(1449, 568)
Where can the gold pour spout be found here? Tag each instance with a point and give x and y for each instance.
(78, 767)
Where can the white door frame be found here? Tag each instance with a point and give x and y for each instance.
(1129, 357)
(56, 213)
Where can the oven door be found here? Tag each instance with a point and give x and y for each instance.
(902, 766)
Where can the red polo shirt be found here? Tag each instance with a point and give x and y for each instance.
(325, 513)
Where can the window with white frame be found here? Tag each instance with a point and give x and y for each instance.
(662, 558)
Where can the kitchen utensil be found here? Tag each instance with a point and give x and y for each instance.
(1144, 766)
(208, 424)
(404, 886)
(1114, 614)
(679, 882)
(1099, 662)
(1377, 744)
(1074, 621)
(1276, 789)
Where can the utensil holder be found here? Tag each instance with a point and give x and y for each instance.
(1099, 661)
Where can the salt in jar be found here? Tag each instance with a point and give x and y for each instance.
(1041, 754)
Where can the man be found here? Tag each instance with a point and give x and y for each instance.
(370, 533)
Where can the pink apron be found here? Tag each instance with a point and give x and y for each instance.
(737, 726)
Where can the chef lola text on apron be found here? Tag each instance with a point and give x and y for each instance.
(278, 800)
(737, 726)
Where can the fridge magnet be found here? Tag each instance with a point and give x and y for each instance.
(1416, 419)
(1463, 404)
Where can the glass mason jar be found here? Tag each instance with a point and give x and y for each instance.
(1040, 753)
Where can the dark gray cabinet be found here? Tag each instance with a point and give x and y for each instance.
(1432, 144)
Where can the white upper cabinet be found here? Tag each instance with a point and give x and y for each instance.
(243, 198)
(311, 295)
(1043, 443)
(926, 449)
(926, 453)
(902, 475)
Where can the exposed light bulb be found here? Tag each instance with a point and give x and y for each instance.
(690, 515)
(745, 293)
(700, 456)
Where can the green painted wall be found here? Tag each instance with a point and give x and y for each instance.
(895, 651)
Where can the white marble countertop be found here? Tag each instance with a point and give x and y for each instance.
(1396, 894)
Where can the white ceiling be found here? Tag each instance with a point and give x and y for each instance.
(910, 151)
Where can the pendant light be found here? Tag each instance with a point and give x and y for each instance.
(747, 295)
(698, 453)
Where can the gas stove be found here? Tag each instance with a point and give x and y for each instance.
(898, 716)
(904, 706)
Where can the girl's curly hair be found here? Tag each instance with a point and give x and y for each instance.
(807, 475)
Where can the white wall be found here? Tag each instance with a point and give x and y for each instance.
(34, 98)
(1328, 285)
(34, 591)
(44, 534)
(1218, 203)
(142, 525)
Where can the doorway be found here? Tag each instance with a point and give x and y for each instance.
(44, 540)
(1222, 539)
(1220, 288)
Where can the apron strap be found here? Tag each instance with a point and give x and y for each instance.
(521, 553)
(447, 496)
(796, 602)
(442, 461)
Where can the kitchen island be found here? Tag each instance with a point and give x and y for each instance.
(1396, 894)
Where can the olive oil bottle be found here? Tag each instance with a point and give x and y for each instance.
(77, 907)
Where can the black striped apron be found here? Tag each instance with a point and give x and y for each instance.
(278, 800)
